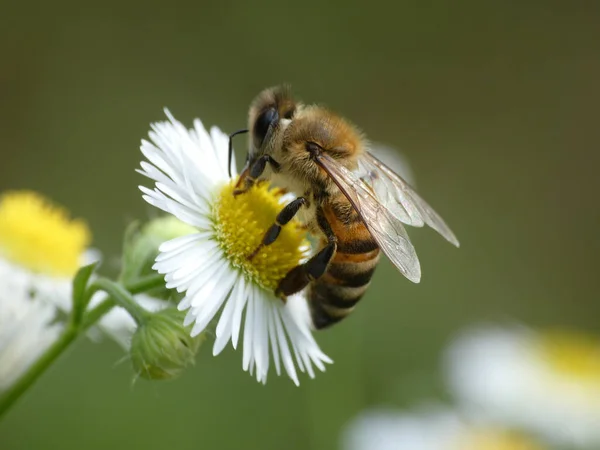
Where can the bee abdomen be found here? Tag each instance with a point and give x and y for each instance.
(333, 296)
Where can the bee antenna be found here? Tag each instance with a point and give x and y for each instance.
(231, 148)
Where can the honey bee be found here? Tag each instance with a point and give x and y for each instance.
(351, 202)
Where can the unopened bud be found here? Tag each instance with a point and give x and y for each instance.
(162, 348)
(141, 247)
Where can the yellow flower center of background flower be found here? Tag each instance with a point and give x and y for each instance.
(491, 439)
(242, 221)
(572, 354)
(40, 236)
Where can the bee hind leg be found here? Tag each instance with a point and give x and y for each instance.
(300, 276)
(285, 215)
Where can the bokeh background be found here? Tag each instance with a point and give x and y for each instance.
(495, 105)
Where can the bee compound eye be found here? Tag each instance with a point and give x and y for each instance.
(263, 123)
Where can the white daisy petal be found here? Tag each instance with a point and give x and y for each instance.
(286, 356)
(261, 346)
(221, 140)
(237, 313)
(179, 243)
(273, 340)
(210, 307)
(248, 330)
(225, 325)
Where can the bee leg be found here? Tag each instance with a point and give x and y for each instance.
(249, 176)
(285, 215)
(300, 276)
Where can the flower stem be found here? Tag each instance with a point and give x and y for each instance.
(73, 330)
(142, 285)
(146, 283)
(121, 297)
(31, 375)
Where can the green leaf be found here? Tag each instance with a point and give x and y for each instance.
(80, 282)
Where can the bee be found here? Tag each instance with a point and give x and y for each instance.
(351, 202)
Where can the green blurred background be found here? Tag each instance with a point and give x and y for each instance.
(495, 105)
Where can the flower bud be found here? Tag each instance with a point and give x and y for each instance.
(162, 348)
(141, 247)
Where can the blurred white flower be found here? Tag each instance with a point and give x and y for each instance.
(41, 249)
(548, 383)
(189, 168)
(427, 428)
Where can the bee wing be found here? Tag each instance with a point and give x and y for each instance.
(400, 198)
(384, 226)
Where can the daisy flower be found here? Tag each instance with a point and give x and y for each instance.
(428, 428)
(547, 382)
(191, 182)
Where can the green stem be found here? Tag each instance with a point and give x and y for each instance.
(142, 285)
(121, 297)
(146, 283)
(72, 331)
(32, 374)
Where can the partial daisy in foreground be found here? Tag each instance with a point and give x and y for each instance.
(41, 249)
(189, 168)
(546, 382)
(428, 428)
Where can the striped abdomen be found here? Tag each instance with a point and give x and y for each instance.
(334, 295)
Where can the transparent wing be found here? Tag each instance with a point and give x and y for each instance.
(399, 198)
(384, 226)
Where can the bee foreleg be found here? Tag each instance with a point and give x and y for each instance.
(255, 171)
(285, 215)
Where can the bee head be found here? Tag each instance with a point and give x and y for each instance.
(270, 112)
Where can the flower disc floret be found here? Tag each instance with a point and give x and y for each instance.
(240, 224)
(38, 235)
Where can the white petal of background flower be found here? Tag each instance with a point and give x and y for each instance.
(494, 372)
(189, 168)
(429, 428)
(26, 323)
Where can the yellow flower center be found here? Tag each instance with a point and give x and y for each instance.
(491, 439)
(574, 355)
(40, 236)
(240, 224)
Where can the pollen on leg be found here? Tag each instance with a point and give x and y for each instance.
(240, 224)
(39, 235)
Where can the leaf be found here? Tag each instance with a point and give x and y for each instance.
(80, 282)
